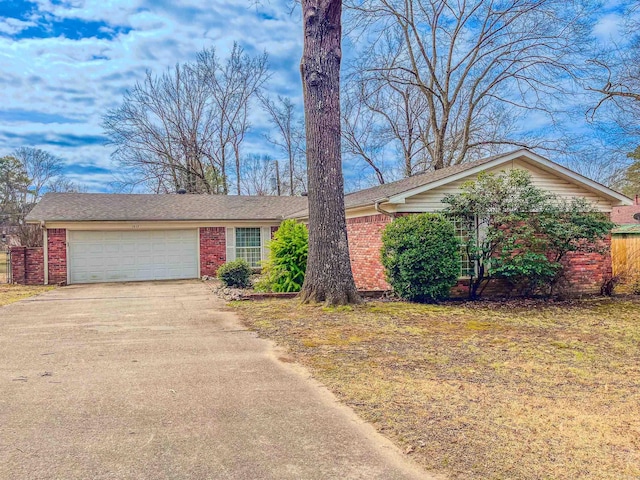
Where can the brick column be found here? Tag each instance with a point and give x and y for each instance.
(586, 271)
(27, 265)
(57, 253)
(18, 264)
(365, 242)
(213, 249)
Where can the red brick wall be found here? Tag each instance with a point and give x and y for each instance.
(213, 249)
(585, 272)
(57, 253)
(624, 215)
(365, 242)
(27, 265)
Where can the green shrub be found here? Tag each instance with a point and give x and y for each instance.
(527, 272)
(421, 257)
(521, 233)
(284, 271)
(235, 273)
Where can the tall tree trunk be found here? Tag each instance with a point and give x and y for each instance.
(290, 152)
(329, 278)
(236, 152)
(223, 171)
(278, 179)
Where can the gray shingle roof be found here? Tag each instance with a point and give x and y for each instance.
(140, 207)
(131, 207)
(373, 194)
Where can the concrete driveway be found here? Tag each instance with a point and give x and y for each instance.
(156, 381)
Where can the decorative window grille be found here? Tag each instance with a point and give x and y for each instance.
(467, 265)
(248, 245)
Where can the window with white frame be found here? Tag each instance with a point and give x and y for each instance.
(248, 245)
(463, 234)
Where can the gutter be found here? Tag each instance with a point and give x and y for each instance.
(380, 210)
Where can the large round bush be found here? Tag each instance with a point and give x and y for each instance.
(421, 257)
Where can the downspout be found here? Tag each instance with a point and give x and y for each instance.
(380, 210)
(45, 251)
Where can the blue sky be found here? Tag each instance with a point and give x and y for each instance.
(64, 63)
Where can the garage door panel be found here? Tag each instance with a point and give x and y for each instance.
(111, 256)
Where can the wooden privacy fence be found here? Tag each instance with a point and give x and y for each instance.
(625, 250)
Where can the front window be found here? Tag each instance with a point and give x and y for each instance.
(248, 245)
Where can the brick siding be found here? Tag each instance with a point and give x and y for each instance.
(57, 253)
(624, 215)
(213, 249)
(27, 265)
(365, 242)
(585, 272)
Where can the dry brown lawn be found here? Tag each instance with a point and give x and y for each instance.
(13, 293)
(526, 390)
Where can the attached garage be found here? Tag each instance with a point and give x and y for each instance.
(119, 256)
(103, 237)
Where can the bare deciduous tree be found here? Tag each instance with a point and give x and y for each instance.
(178, 129)
(615, 113)
(468, 60)
(261, 176)
(43, 170)
(25, 176)
(361, 134)
(233, 86)
(289, 138)
(377, 116)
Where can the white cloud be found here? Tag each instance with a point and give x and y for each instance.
(609, 28)
(81, 79)
(13, 26)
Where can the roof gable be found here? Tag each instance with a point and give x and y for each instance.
(475, 168)
(384, 192)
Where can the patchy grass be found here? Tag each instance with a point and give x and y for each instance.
(526, 390)
(13, 293)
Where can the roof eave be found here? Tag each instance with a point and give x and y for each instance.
(221, 220)
(527, 155)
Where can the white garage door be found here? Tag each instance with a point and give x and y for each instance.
(132, 255)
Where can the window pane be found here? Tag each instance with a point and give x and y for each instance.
(467, 267)
(247, 237)
(248, 245)
(250, 254)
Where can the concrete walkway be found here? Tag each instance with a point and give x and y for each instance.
(155, 381)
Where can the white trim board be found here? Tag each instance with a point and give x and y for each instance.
(527, 157)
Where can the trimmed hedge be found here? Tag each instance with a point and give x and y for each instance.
(235, 273)
(421, 257)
